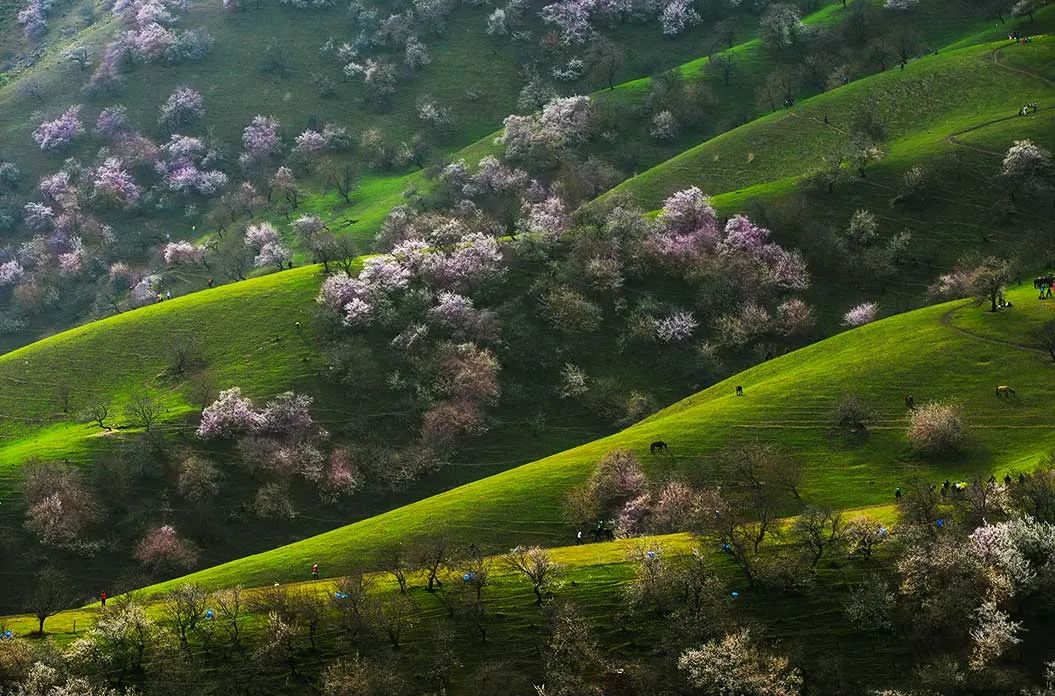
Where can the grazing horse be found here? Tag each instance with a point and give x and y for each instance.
(1004, 390)
(739, 390)
(657, 446)
(910, 402)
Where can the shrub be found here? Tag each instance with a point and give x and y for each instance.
(272, 502)
(183, 108)
(869, 607)
(162, 549)
(861, 314)
(737, 665)
(60, 506)
(664, 126)
(852, 414)
(568, 311)
(938, 428)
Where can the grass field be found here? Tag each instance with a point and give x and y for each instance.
(954, 351)
(932, 98)
(941, 352)
(262, 351)
(594, 577)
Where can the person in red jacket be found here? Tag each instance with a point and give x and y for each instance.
(102, 600)
(315, 571)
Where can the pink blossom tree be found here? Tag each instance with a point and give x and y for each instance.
(260, 142)
(33, 18)
(114, 185)
(59, 505)
(38, 216)
(341, 478)
(449, 421)
(861, 314)
(183, 253)
(547, 218)
(231, 415)
(57, 135)
(677, 16)
(676, 327)
(183, 108)
(264, 239)
(288, 416)
(1028, 167)
(113, 122)
(162, 549)
(10, 272)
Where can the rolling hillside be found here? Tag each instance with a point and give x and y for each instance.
(933, 98)
(265, 352)
(949, 351)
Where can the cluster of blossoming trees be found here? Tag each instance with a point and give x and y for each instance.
(953, 585)
(282, 442)
(441, 307)
(149, 35)
(74, 214)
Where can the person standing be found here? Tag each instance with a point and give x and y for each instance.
(102, 600)
(315, 571)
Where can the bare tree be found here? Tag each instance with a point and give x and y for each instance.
(79, 56)
(342, 176)
(353, 602)
(50, 594)
(604, 60)
(536, 564)
(144, 410)
(397, 566)
(758, 475)
(184, 355)
(97, 413)
(230, 607)
(395, 615)
(725, 62)
(202, 390)
(65, 397)
(309, 607)
(185, 608)
(475, 570)
(432, 555)
(818, 531)
(31, 88)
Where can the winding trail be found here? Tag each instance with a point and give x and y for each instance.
(947, 321)
(953, 138)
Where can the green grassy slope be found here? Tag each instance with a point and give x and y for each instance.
(594, 577)
(934, 97)
(934, 353)
(488, 73)
(115, 357)
(735, 104)
(35, 408)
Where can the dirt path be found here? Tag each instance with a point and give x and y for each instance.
(995, 56)
(946, 320)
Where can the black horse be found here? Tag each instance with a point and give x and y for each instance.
(657, 446)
